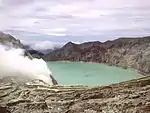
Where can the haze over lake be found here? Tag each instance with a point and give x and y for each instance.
(91, 74)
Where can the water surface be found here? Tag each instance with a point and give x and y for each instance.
(91, 74)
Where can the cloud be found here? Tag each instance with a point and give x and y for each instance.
(80, 18)
(43, 45)
(16, 2)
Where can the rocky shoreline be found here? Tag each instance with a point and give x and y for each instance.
(38, 97)
(123, 52)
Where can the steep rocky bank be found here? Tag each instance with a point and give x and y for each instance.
(38, 97)
(125, 52)
(10, 41)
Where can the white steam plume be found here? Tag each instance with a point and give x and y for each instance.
(13, 63)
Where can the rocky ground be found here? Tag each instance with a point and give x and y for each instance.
(38, 97)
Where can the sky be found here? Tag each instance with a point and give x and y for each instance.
(54, 22)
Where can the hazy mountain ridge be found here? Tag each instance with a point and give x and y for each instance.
(124, 52)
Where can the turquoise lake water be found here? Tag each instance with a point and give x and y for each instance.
(91, 74)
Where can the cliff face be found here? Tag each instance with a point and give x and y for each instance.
(10, 41)
(90, 51)
(124, 52)
(133, 53)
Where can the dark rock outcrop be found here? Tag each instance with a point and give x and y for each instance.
(35, 53)
(125, 52)
(53, 80)
(4, 110)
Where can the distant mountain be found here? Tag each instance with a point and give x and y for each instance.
(76, 52)
(35, 53)
(124, 52)
(41, 51)
(45, 51)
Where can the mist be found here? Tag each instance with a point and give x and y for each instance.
(13, 63)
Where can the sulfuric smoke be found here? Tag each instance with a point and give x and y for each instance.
(13, 63)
